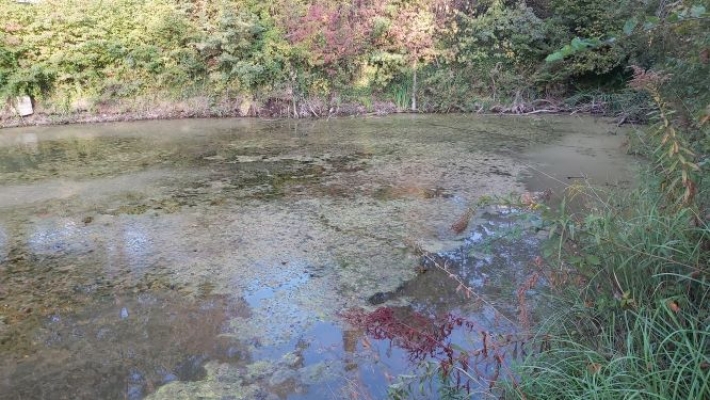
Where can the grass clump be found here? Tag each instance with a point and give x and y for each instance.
(633, 281)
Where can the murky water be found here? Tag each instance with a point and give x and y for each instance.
(216, 258)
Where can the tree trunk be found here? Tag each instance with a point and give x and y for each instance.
(414, 88)
(293, 94)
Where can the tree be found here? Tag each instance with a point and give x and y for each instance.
(334, 37)
(412, 32)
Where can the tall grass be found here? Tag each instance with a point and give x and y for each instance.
(401, 94)
(638, 326)
(635, 320)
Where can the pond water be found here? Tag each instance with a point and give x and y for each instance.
(233, 258)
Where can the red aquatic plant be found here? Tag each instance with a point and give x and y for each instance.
(421, 336)
(429, 337)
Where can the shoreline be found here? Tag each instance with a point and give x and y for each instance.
(196, 108)
(43, 119)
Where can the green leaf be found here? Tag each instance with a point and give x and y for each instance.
(577, 44)
(697, 11)
(575, 260)
(630, 25)
(556, 56)
(651, 22)
(547, 252)
(592, 260)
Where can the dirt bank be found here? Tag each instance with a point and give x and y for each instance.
(142, 109)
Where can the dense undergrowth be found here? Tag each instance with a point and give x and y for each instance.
(293, 57)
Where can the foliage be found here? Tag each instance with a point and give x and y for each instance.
(88, 48)
(673, 155)
(500, 48)
(442, 50)
(588, 25)
(242, 49)
(513, 37)
(132, 47)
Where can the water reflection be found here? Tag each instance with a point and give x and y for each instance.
(58, 236)
(126, 245)
(212, 258)
(97, 354)
(29, 142)
(130, 246)
(4, 245)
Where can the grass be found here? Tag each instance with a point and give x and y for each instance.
(637, 324)
(401, 95)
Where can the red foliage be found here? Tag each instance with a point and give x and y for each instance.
(334, 33)
(419, 335)
(425, 337)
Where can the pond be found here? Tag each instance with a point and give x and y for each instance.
(246, 258)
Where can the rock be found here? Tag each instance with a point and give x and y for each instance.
(23, 106)
(245, 107)
(282, 376)
(292, 360)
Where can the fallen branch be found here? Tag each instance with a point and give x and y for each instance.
(541, 111)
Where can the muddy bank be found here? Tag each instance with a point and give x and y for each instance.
(247, 237)
(582, 166)
(141, 109)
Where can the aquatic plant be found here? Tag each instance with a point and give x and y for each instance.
(427, 341)
(444, 364)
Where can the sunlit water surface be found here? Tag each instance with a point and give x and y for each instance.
(221, 258)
